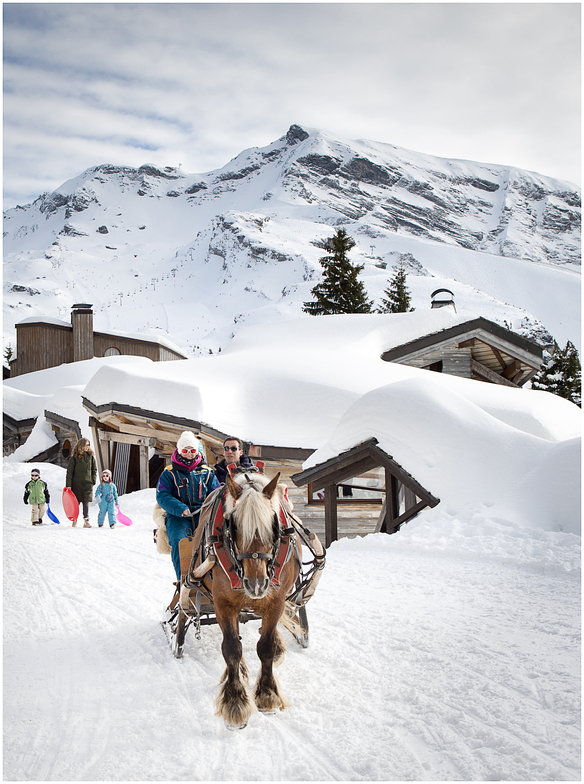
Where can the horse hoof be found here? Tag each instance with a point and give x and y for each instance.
(234, 727)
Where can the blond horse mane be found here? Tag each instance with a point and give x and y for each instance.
(253, 511)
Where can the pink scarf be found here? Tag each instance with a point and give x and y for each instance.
(176, 458)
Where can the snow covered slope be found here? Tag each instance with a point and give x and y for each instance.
(451, 653)
(189, 257)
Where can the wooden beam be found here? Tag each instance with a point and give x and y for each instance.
(143, 459)
(512, 370)
(330, 515)
(99, 458)
(499, 357)
(481, 370)
(126, 438)
(392, 502)
(355, 468)
(399, 473)
(380, 525)
(467, 343)
(409, 513)
(151, 431)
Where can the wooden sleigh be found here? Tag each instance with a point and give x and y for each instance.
(192, 603)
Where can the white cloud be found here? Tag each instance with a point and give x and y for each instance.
(197, 83)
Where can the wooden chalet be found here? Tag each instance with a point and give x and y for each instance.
(42, 344)
(67, 432)
(136, 444)
(477, 349)
(403, 496)
(15, 432)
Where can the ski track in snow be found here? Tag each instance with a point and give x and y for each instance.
(421, 666)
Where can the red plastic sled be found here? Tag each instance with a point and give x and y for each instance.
(122, 518)
(70, 504)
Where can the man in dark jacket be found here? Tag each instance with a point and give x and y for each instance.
(232, 453)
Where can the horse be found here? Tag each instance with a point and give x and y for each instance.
(264, 560)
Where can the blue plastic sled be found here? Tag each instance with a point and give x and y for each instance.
(52, 517)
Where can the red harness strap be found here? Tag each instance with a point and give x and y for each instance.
(284, 550)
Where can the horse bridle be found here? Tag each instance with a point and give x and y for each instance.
(236, 557)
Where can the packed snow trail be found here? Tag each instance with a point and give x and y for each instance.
(423, 665)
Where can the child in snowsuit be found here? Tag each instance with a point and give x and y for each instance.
(106, 495)
(37, 494)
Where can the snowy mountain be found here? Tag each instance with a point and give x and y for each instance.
(187, 256)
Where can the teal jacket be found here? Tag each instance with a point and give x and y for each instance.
(182, 487)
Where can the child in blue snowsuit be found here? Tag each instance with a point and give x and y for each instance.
(107, 495)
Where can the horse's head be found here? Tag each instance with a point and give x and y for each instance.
(251, 504)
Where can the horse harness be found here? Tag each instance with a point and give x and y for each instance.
(220, 537)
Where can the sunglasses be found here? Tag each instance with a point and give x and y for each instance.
(232, 448)
(35, 476)
(186, 451)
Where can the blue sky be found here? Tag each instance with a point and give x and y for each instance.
(196, 83)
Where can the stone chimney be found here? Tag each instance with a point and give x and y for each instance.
(443, 298)
(82, 322)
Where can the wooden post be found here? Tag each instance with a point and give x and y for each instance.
(330, 515)
(391, 502)
(143, 457)
(97, 448)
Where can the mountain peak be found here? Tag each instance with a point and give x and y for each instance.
(296, 134)
(150, 245)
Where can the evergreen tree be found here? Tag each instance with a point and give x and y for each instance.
(339, 291)
(397, 294)
(560, 374)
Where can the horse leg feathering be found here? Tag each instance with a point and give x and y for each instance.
(252, 508)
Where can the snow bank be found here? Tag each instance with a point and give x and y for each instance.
(447, 652)
(476, 463)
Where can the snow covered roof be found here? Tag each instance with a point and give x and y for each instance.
(461, 328)
(160, 339)
(320, 384)
(44, 320)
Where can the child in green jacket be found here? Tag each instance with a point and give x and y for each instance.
(36, 493)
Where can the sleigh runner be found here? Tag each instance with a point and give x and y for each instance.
(213, 546)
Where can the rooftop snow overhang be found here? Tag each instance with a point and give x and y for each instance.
(498, 354)
(131, 337)
(63, 423)
(166, 428)
(358, 460)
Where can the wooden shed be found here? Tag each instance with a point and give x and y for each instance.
(404, 496)
(42, 344)
(478, 349)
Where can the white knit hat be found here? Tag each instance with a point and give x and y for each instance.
(188, 439)
(106, 471)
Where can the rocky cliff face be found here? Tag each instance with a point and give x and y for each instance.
(246, 233)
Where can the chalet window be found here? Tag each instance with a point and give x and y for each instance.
(435, 366)
(112, 352)
(368, 488)
(66, 450)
